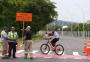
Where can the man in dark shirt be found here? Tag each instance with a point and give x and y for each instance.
(28, 42)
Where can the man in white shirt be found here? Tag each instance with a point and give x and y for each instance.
(55, 38)
(4, 36)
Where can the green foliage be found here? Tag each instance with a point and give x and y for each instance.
(42, 10)
(79, 27)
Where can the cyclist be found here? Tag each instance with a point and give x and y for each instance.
(55, 38)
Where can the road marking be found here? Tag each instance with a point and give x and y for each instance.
(35, 51)
(54, 56)
(76, 54)
(23, 51)
(20, 51)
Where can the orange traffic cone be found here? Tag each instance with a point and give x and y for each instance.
(87, 48)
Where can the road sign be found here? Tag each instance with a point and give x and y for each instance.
(23, 17)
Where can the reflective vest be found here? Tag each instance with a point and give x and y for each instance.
(13, 35)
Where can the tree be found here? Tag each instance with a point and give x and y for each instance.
(42, 10)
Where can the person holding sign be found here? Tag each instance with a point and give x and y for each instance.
(28, 42)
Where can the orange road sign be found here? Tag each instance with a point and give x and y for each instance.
(23, 17)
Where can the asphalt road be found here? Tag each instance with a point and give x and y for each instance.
(43, 60)
(73, 52)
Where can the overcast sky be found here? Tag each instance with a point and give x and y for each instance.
(73, 10)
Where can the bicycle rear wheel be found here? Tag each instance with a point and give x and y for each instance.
(45, 48)
(59, 49)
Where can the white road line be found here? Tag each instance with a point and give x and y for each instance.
(76, 54)
(20, 51)
(35, 51)
(23, 51)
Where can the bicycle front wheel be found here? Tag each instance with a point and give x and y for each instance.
(45, 48)
(59, 49)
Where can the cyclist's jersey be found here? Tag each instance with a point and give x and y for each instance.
(56, 35)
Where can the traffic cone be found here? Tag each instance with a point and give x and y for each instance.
(87, 48)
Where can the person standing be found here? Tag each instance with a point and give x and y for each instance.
(4, 36)
(28, 42)
(13, 37)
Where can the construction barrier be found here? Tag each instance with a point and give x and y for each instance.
(86, 48)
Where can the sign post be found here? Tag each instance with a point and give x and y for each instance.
(23, 17)
(23, 31)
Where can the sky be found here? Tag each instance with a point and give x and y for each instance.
(73, 10)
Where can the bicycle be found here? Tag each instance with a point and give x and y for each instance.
(46, 47)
